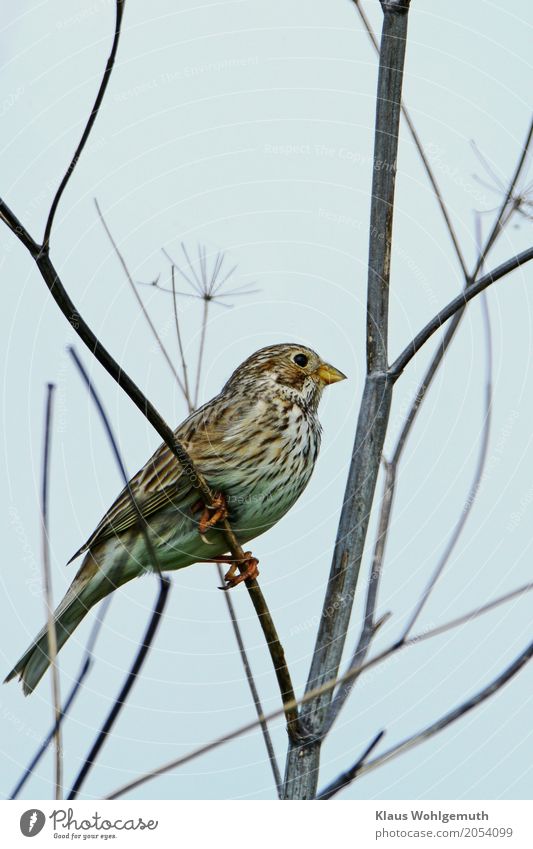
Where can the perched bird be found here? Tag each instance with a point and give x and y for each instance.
(256, 444)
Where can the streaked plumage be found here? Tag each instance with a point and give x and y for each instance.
(256, 442)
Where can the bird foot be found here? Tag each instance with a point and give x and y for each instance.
(232, 578)
(213, 513)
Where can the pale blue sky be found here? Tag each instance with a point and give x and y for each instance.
(248, 127)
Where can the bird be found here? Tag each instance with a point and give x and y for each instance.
(255, 443)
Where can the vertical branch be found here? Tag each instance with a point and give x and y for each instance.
(52, 637)
(205, 316)
(303, 760)
(138, 298)
(389, 99)
(253, 688)
(184, 369)
(85, 668)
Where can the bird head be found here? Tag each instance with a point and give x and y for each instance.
(287, 369)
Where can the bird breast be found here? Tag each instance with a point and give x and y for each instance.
(268, 459)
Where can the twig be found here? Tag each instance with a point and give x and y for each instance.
(301, 775)
(52, 636)
(420, 149)
(253, 689)
(346, 778)
(138, 298)
(187, 391)
(89, 125)
(469, 617)
(454, 306)
(453, 715)
(328, 686)
(497, 227)
(201, 350)
(164, 586)
(478, 473)
(470, 279)
(85, 667)
(474, 487)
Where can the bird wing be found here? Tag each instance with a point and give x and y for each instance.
(161, 482)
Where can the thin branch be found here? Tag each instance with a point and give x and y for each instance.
(187, 391)
(253, 689)
(164, 586)
(499, 222)
(201, 350)
(470, 279)
(388, 110)
(469, 617)
(346, 778)
(138, 298)
(89, 125)
(421, 152)
(453, 715)
(454, 306)
(85, 668)
(48, 596)
(476, 481)
(328, 686)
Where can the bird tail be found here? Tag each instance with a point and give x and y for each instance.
(90, 585)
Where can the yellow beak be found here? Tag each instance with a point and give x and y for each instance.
(329, 374)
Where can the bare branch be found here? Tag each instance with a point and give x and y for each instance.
(85, 667)
(469, 280)
(184, 368)
(253, 689)
(346, 778)
(504, 209)
(453, 715)
(164, 586)
(454, 306)
(328, 686)
(469, 617)
(201, 350)
(474, 486)
(89, 125)
(139, 300)
(392, 57)
(48, 597)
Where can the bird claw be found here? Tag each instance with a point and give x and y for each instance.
(211, 514)
(250, 571)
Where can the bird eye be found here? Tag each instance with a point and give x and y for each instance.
(301, 360)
